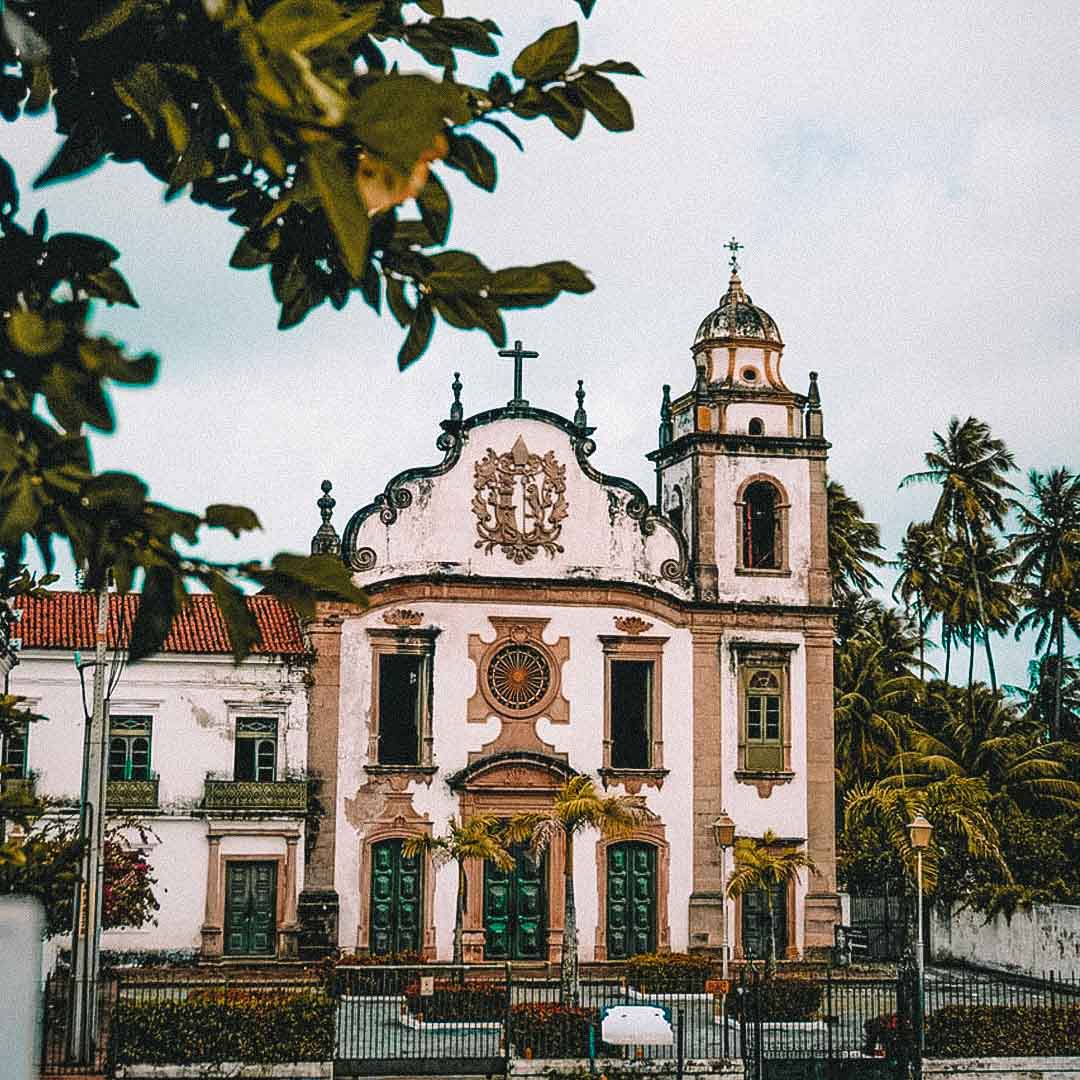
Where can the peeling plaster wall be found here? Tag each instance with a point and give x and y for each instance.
(773, 417)
(1043, 939)
(193, 701)
(784, 810)
(581, 740)
(438, 532)
(794, 475)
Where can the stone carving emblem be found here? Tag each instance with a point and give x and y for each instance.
(403, 617)
(631, 624)
(520, 502)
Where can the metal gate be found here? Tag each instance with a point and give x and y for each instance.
(57, 1058)
(421, 1021)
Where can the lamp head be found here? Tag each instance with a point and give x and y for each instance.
(723, 830)
(919, 833)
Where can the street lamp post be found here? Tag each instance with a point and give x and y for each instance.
(919, 832)
(724, 835)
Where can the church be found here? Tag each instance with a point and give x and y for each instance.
(532, 618)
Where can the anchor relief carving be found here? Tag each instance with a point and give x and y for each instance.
(520, 502)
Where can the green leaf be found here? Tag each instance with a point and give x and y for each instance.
(247, 254)
(398, 116)
(299, 580)
(344, 209)
(157, 608)
(116, 490)
(605, 102)
(81, 253)
(75, 398)
(286, 22)
(567, 276)
(457, 271)
(564, 111)
(549, 56)
(116, 16)
(416, 341)
(614, 67)
(522, 287)
(586, 6)
(434, 204)
(395, 297)
(239, 619)
(107, 360)
(355, 26)
(9, 190)
(431, 7)
(474, 159)
(33, 334)
(237, 519)
(21, 512)
(110, 285)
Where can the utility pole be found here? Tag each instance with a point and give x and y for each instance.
(89, 889)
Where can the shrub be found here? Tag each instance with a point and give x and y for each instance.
(551, 1030)
(1003, 1031)
(782, 998)
(340, 975)
(458, 1001)
(214, 1025)
(670, 972)
(892, 1033)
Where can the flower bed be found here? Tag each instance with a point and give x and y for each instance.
(668, 973)
(889, 1035)
(784, 999)
(457, 1001)
(1003, 1031)
(214, 1025)
(550, 1030)
(344, 976)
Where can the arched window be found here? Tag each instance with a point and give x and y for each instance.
(761, 527)
(675, 509)
(755, 427)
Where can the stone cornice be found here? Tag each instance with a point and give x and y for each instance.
(735, 443)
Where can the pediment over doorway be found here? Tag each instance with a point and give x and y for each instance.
(513, 771)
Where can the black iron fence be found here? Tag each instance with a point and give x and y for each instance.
(59, 1055)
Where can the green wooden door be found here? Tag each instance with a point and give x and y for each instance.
(755, 923)
(515, 908)
(395, 900)
(250, 903)
(631, 900)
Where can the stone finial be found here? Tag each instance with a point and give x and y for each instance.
(815, 424)
(455, 409)
(579, 415)
(326, 540)
(667, 431)
(813, 396)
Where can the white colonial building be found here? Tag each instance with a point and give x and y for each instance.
(209, 755)
(532, 618)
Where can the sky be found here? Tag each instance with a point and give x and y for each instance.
(904, 178)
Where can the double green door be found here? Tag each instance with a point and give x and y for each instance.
(250, 902)
(631, 900)
(395, 900)
(515, 908)
(755, 923)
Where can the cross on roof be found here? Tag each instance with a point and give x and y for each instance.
(517, 353)
(734, 247)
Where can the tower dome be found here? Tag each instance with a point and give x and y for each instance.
(736, 316)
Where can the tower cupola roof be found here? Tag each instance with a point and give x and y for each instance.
(737, 316)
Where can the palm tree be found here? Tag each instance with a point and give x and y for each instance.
(761, 866)
(578, 805)
(1043, 696)
(920, 564)
(971, 467)
(1047, 546)
(853, 545)
(480, 837)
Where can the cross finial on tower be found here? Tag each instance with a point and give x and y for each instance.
(734, 247)
(517, 353)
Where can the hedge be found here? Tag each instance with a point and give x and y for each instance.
(550, 1030)
(458, 1001)
(235, 1025)
(783, 998)
(668, 972)
(340, 976)
(893, 1034)
(1003, 1031)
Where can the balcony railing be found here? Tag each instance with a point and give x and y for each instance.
(132, 794)
(288, 795)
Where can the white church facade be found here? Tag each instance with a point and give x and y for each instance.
(532, 618)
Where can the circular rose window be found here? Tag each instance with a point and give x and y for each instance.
(518, 677)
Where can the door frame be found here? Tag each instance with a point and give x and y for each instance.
(655, 834)
(276, 863)
(421, 899)
(791, 951)
(545, 902)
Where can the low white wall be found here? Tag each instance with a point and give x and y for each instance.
(731, 1069)
(1049, 1068)
(229, 1070)
(1042, 939)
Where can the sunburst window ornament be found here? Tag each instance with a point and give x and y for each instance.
(518, 677)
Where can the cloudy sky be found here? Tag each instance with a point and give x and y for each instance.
(904, 178)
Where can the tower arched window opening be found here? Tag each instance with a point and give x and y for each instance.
(756, 427)
(761, 532)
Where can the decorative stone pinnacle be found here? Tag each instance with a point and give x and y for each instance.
(734, 247)
(579, 416)
(667, 432)
(326, 541)
(455, 408)
(813, 397)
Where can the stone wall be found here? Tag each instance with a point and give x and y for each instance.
(1043, 939)
(1056, 1068)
